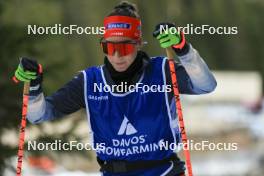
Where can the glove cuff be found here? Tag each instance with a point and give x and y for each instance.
(183, 51)
(35, 85)
(35, 90)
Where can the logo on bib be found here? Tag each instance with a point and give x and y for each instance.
(126, 128)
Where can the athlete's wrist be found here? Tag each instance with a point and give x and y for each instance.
(183, 51)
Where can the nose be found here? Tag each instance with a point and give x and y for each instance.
(116, 54)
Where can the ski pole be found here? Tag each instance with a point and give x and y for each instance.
(176, 93)
(22, 127)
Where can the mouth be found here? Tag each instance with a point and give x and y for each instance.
(120, 64)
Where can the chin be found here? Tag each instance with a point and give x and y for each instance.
(121, 69)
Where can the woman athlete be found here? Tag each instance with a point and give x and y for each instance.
(129, 99)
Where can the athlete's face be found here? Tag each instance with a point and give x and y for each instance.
(119, 61)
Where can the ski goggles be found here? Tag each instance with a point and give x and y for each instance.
(123, 48)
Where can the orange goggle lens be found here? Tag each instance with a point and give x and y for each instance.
(123, 48)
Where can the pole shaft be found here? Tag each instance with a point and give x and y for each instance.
(179, 110)
(22, 129)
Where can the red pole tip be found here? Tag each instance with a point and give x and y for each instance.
(40, 68)
(15, 79)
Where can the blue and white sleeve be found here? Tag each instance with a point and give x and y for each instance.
(200, 76)
(66, 100)
(40, 109)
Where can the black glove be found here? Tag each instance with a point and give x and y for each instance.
(29, 70)
(158, 26)
(172, 38)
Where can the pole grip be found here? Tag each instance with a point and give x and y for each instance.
(26, 88)
(169, 53)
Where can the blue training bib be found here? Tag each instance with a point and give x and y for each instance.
(136, 125)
